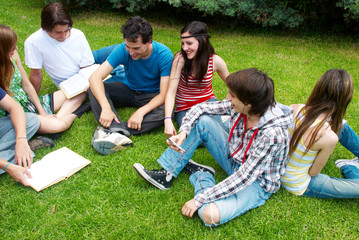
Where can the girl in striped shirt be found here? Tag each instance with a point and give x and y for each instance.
(192, 74)
(314, 134)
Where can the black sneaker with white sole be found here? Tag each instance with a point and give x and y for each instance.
(192, 167)
(160, 178)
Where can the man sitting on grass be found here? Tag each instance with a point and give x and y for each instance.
(147, 67)
(61, 50)
(252, 150)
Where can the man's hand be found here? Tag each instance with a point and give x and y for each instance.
(178, 139)
(18, 173)
(23, 155)
(135, 120)
(189, 208)
(106, 117)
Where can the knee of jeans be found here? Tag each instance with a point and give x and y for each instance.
(204, 121)
(210, 215)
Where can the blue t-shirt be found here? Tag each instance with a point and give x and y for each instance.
(143, 74)
(2, 93)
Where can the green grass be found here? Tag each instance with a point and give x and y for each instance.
(108, 200)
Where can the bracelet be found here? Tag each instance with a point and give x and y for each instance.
(21, 138)
(6, 166)
(168, 118)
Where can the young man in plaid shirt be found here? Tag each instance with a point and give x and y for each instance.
(252, 149)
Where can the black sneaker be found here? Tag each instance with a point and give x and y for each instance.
(160, 178)
(192, 167)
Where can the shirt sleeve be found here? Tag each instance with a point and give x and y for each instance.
(258, 160)
(33, 56)
(211, 108)
(117, 56)
(87, 56)
(2, 93)
(166, 58)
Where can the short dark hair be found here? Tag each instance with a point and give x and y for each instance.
(54, 14)
(135, 27)
(254, 87)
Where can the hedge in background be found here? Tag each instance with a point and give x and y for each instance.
(268, 13)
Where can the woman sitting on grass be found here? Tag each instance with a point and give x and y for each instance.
(314, 132)
(24, 93)
(252, 149)
(191, 74)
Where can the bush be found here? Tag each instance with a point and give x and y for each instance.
(268, 13)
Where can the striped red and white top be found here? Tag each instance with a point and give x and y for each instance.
(192, 93)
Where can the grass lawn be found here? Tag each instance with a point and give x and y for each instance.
(108, 200)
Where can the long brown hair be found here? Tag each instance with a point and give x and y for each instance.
(330, 96)
(200, 31)
(8, 40)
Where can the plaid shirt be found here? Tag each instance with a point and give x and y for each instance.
(266, 158)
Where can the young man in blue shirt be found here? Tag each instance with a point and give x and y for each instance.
(147, 67)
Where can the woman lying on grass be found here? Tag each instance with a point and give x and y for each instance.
(191, 74)
(314, 132)
(252, 149)
(24, 93)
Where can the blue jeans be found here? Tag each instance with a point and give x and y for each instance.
(100, 55)
(323, 186)
(180, 115)
(214, 135)
(8, 136)
(349, 139)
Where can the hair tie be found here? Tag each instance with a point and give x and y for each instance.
(198, 35)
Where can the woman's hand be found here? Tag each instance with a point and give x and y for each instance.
(170, 129)
(23, 155)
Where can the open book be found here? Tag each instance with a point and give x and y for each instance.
(78, 83)
(55, 167)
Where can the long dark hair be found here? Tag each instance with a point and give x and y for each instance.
(330, 96)
(8, 40)
(205, 50)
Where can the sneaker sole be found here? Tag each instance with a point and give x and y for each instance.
(107, 147)
(203, 166)
(348, 161)
(140, 170)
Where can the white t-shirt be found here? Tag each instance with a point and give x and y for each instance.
(60, 60)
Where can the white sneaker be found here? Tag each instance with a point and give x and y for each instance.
(108, 142)
(342, 162)
(100, 132)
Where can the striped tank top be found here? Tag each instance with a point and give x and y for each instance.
(192, 93)
(296, 177)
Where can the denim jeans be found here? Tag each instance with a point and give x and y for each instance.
(100, 55)
(323, 186)
(349, 139)
(214, 135)
(8, 136)
(180, 115)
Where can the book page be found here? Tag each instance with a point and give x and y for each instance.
(74, 85)
(78, 83)
(55, 167)
(88, 71)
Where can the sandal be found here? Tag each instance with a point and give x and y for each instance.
(40, 142)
